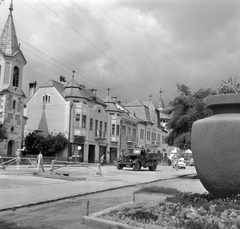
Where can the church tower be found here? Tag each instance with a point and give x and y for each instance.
(12, 96)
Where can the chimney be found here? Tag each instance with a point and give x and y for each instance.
(32, 89)
(119, 102)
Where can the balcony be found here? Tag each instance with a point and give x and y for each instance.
(100, 135)
(115, 138)
(131, 139)
(156, 143)
(79, 132)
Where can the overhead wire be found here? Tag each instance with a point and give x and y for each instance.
(61, 31)
(129, 37)
(95, 46)
(66, 34)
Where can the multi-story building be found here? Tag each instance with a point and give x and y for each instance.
(149, 129)
(72, 110)
(12, 97)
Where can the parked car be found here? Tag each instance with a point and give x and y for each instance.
(191, 162)
(181, 164)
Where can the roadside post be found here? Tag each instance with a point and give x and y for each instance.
(177, 160)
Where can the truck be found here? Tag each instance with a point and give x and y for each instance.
(137, 159)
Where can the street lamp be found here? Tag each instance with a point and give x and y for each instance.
(79, 149)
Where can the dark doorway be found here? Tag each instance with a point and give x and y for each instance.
(10, 148)
(91, 154)
(102, 151)
(113, 154)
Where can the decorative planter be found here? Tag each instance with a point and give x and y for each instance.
(215, 143)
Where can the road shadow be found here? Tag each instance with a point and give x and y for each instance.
(12, 225)
(188, 176)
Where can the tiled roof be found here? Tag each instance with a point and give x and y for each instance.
(74, 90)
(138, 109)
(111, 106)
(8, 40)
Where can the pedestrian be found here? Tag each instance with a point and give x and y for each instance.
(40, 161)
(18, 158)
(103, 160)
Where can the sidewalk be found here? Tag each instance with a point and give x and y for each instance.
(21, 188)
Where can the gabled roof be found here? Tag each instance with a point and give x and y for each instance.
(8, 41)
(53, 83)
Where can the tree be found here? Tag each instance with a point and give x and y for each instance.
(50, 145)
(184, 110)
(3, 132)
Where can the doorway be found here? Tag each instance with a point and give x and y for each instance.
(113, 154)
(91, 154)
(102, 151)
(10, 148)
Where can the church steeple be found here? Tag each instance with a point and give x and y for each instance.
(8, 41)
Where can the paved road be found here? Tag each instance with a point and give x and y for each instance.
(22, 188)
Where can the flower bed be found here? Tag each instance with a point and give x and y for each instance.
(183, 210)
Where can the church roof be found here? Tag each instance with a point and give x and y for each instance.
(8, 41)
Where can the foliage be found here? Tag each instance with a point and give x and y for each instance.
(183, 210)
(229, 86)
(189, 107)
(3, 132)
(184, 110)
(49, 145)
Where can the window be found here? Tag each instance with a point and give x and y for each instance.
(91, 124)
(158, 137)
(96, 124)
(46, 98)
(14, 105)
(153, 136)
(113, 128)
(118, 130)
(84, 118)
(105, 128)
(148, 135)
(141, 134)
(129, 131)
(124, 130)
(77, 120)
(134, 133)
(100, 124)
(15, 76)
(163, 138)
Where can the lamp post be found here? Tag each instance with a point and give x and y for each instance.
(79, 149)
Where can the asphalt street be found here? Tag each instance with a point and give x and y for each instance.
(21, 187)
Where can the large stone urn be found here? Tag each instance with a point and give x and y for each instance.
(215, 143)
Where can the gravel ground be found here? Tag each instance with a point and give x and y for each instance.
(68, 213)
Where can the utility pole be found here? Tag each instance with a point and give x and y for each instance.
(69, 129)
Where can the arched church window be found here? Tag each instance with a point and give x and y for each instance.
(14, 104)
(15, 76)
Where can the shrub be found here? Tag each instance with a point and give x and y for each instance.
(181, 210)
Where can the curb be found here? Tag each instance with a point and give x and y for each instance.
(99, 223)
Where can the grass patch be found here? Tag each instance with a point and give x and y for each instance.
(159, 190)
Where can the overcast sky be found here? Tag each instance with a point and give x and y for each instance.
(133, 47)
